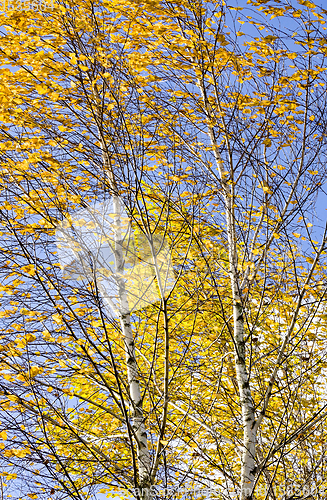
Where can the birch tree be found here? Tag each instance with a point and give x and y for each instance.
(203, 126)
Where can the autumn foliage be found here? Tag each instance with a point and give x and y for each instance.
(205, 125)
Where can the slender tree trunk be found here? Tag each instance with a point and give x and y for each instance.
(248, 417)
(138, 425)
(143, 455)
(242, 376)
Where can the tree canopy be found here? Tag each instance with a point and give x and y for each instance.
(163, 250)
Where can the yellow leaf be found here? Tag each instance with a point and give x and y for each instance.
(22, 454)
(57, 318)
(11, 476)
(41, 90)
(30, 337)
(29, 269)
(276, 235)
(7, 312)
(3, 435)
(35, 370)
(16, 453)
(264, 186)
(312, 117)
(47, 336)
(306, 3)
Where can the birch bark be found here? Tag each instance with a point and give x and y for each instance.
(137, 415)
(247, 406)
(143, 455)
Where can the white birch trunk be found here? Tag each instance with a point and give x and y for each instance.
(242, 376)
(143, 455)
(248, 416)
(138, 425)
(246, 401)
